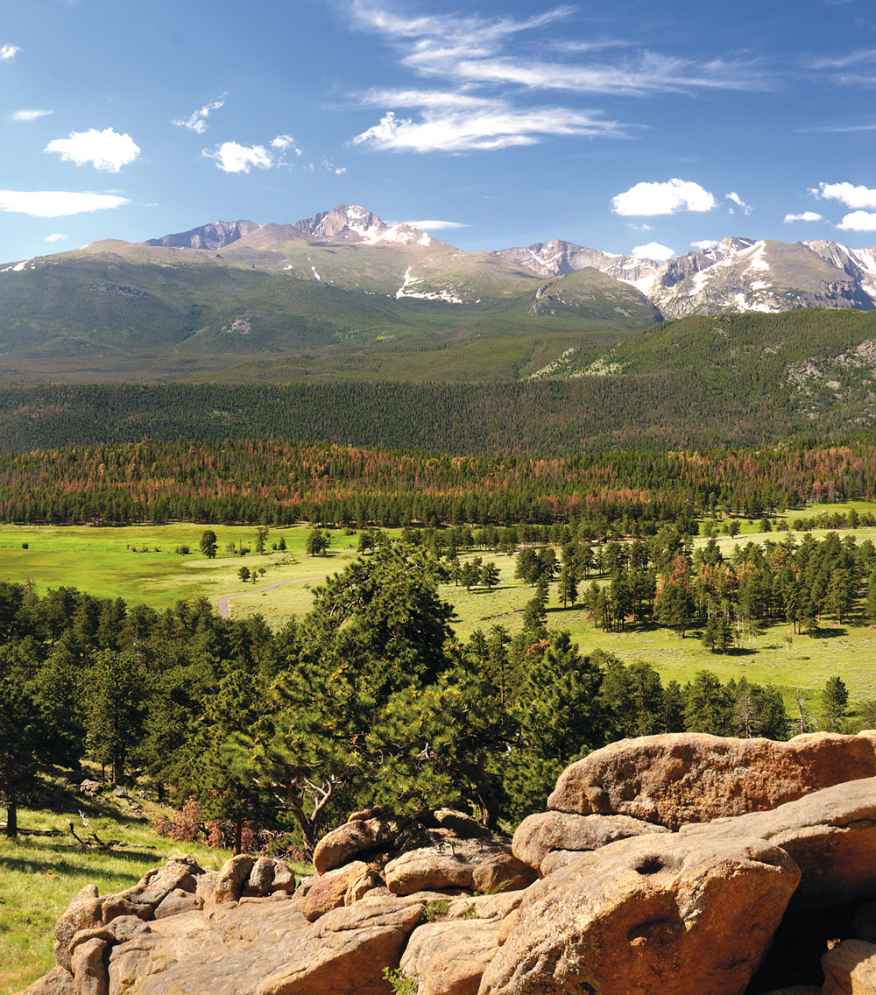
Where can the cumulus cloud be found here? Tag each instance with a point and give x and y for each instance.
(803, 216)
(858, 221)
(28, 115)
(56, 203)
(436, 225)
(56, 237)
(734, 198)
(197, 120)
(705, 243)
(671, 197)
(501, 127)
(232, 157)
(340, 171)
(8, 52)
(655, 251)
(283, 142)
(106, 150)
(856, 197)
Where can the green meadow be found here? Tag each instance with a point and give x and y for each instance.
(111, 562)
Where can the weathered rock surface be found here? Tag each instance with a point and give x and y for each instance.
(449, 958)
(647, 915)
(850, 969)
(831, 835)
(347, 951)
(623, 906)
(336, 888)
(678, 778)
(471, 864)
(358, 836)
(542, 834)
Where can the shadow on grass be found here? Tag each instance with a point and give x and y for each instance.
(41, 864)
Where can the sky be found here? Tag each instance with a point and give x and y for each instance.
(629, 126)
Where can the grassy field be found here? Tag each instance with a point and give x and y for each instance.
(40, 874)
(101, 560)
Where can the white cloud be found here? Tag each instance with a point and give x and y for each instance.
(232, 157)
(646, 73)
(734, 198)
(705, 243)
(106, 150)
(56, 203)
(283, 142)
(859, 57)
(642, 227)
(57, 237)
(197, 120)
(436, 225)
(30, 115)
(846, 193)
(858, 221)
(8, 52)
(425, 98)
(655, 251)
(499, 128)
(670, 197)
(340, 171)
(471, 48)
(803, 216)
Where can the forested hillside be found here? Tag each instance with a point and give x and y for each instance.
(282, 483)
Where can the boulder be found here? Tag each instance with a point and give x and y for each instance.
(176, 902)
(542, 834)
(232, 879)
(460, 824)
(89, 968)
(178, 874)
(225, 950)
(491, 907)
(679, 778)
(470, 864)
(336, 888)
(84, 912)
(668, 914)
(347, 952)
(58, 981)
(353, 838)
(850, 969)
(261, 877)
(449, 958)
(284, 879)
(831, 835)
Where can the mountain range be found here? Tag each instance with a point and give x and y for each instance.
(347, 280)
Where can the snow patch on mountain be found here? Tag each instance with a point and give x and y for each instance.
(405, 291)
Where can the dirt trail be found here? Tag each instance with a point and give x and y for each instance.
(223, 603)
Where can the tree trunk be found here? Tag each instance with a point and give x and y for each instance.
(238, 837)
(11, 817)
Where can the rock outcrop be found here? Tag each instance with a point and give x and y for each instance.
(757, 893)
(692, 777)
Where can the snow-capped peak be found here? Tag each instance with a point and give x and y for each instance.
(354, 223)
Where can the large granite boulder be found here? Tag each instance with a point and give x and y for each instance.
(474, 865)
(549, 832)
(449, 958)
(678, 916)
(850, 969)
(831, 835)
(359, 836)
(678, 778)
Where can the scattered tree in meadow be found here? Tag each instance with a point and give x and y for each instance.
(834, 705)
(209, 544)
(318, 542)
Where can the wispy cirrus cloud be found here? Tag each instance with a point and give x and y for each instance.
(436, 225)
(27, 115)
(483, 103)
(499, 127)
(858, 57)
(197, 121)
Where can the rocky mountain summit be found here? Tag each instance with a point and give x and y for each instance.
(679, 864)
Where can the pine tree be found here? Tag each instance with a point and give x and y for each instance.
(115, 708)
(568, 584)
(490, 576)
(209, 544)
(834, 705)
(559, 718)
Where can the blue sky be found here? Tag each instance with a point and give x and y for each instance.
(614, 125)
